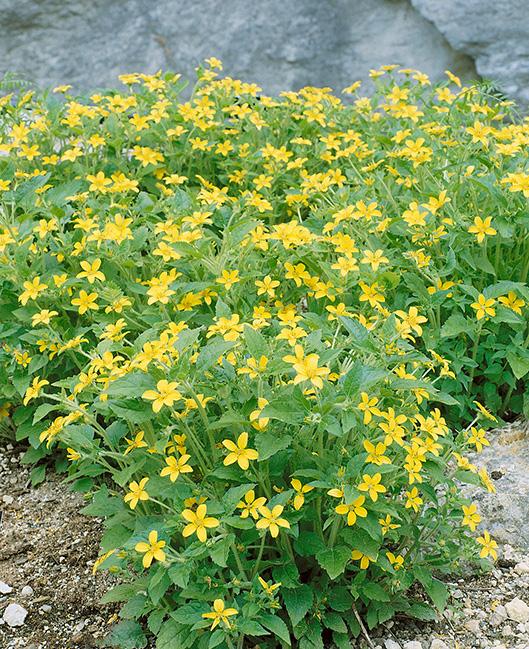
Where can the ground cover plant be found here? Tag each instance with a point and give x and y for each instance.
(267, 333)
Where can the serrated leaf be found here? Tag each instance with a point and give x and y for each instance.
(298, 602)
(334, 560)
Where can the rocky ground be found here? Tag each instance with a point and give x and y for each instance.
(49, 598)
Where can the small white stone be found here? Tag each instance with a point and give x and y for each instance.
(522, 568)
(437, 643)
(26, 591)
(517, 610)
(391, 644)
(15, 615)
(412, 644)
(5, 589)
(472, 626)
(45, 608)
(8, 500)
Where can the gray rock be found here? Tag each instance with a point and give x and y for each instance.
(391, 644)
(437, 643)
(279, 45)
(7, 499)
(522, 568)
(498, 616)
(492, 32)
(517, 610)
(412, 644)
(472, 626)
(505, 514)
(26, 591)
(5, 589)
(15, 615)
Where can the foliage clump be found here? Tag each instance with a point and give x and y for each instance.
(259, 327)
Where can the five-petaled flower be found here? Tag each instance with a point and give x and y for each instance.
(151, 550)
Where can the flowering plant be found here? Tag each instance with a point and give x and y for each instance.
(257, 325)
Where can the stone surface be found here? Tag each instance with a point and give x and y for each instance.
(437, 643)
(492, 32)
(412, 644)
(15, 615)
(5, 589)
(517, 610)
(505, 514)
(280, 45)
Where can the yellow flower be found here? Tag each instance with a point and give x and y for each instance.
(352, 510)
(34, 389)
(397, 561)
(166, 394)
(413, 499)
(72, 454)
(306, 367)
(229, 278)
(176, 466)
(219, 613)
(137, 442)
(253, 367)
(386, 524)
(43, 317)
(91, 271)
(137, 492)
(478, 438)
(85, 302)
(250, 505)
(356, 555)
(239, 452)
(484, 307)
(267, 286)
(482, 228)
(269, 589)
(300, 490)
(489, 546)
(198, 522)
(372, 485)
(98, 182)
(258, 422)
(471, 517)
(151, 550)
(512, 301)
(32, 289)
(271, 520)
(375, 453)
(367, 405)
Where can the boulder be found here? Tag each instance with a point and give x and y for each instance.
(279, 45)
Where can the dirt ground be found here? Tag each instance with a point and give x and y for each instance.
(47, 545)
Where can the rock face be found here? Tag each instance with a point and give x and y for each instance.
(505, 514)
(280, 45)
(493, 32)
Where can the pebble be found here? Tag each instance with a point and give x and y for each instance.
(391, 644)
(45, 608)
(499, 615)
(8, 500)
(412, 644)
(15, 615)
(517, 610)
(437, 643)
(5, 589)
(472, 626)
(26, 591)
(522, 568)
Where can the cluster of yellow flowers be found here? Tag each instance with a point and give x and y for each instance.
(249, 311)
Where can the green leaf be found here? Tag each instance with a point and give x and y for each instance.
(334, 560)
(268, 444)
(127, 635)
(374, 591)
(298, 602)
(454, 325)
(255, 342)
(211, 353)
(519, 364)
(275, 624)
